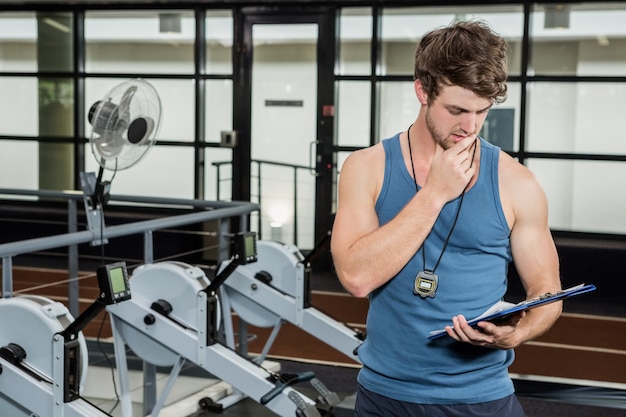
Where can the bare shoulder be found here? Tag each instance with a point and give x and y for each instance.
(359, 185)
(520, 191)
(364, 167)
(366, 156)
(513, 174)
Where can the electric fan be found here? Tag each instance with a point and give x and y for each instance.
(124, 127)
(124, 124)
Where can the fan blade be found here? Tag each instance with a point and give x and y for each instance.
(124, 106)
(110, 145)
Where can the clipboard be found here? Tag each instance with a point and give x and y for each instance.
(502, 309)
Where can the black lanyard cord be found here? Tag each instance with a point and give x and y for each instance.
(458, 211)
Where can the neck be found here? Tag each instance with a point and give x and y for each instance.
(421, 145)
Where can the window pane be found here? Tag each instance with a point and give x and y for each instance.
(353, 113)
(177, 105)
(19, 164)
(284, 92)
(139, 42)
(219, 109)
(24, 96)
(398, 107)
(502, 124)
(56, 107)
(219, 172)
(403, 28)
(18, 42)
(165, 171)
(55, 44)
(355, 37)
(31, 42)
(577, 200)
(219, 41)
(280, 210)
(579, 39)
(567, 118)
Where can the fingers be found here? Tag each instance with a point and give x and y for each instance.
(463, 332)
(466, 144)
(463, 164)
(452, 169)
(465, 151)
(485, 334)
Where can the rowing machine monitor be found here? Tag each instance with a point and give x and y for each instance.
(245, 247)
(113, 283)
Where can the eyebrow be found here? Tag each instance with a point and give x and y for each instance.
(453, 107)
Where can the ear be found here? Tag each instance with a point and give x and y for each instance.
(422, 97)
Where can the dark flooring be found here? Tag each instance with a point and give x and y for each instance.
(532, 407)
(538, 400)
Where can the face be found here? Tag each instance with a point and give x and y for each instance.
(455, 114)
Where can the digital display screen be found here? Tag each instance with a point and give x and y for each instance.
(250, 246)
(425, 285)
(113, 282)
(118, 283)
(245, 247)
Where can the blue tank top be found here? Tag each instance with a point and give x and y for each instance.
(398, 359)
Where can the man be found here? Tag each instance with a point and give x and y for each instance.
(427, 223)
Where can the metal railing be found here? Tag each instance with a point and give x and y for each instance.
(257, 180)
(212, 210)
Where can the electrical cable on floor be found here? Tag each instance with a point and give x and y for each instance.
(99, 336)
(111, 367)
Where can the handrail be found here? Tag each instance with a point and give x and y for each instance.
(50, 242)
(213, 210)
(259, 163)
(78, 195)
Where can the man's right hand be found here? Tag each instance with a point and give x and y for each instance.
(452, 169)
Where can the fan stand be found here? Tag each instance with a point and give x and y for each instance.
(95, 196)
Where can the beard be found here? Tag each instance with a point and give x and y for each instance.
(439, 137)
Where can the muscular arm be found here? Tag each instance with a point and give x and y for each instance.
(536, 261)
(367, 255)
(535, 258)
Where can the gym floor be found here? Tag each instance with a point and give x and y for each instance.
(537, 399)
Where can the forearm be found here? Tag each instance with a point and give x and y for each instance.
(538, 321)
(376, 257)
(533, 324)
(518, 329)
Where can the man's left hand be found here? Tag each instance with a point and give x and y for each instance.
(503, 335)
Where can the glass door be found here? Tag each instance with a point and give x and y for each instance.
(283, 135)
(289, 82)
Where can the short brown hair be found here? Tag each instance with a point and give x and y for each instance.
(468, 54)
